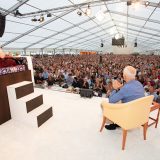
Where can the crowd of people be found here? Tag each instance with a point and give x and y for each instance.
(96, 71)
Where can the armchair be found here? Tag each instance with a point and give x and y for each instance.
(128, 115)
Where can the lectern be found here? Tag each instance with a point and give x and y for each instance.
(12, 70)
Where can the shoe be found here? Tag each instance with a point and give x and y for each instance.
(117, 125)
(111, 126)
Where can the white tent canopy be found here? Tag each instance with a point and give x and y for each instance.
(68, 31)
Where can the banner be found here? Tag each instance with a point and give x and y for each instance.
(85, 53)
(8, 70)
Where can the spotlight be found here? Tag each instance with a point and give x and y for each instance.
(88, 11)
(102, 45)
(147, 3)
(41, 19)
(17, 13)
(135, 44)
(79, 12)
(49, 15)
(136, 4)
(100, 15)
(117, 36)
(34, 19)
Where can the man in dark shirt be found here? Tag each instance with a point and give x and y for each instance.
(85, 84)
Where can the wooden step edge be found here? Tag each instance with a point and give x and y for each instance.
(43, 117)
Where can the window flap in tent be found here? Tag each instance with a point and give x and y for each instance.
(58, 25)
(8, 36)
(74, 30)
(88, 25)
(16, 27)
(156, 14)
(153, 25)
(28, 39)
(42, 32)
(120, 7)
(48, 3)
(6, 4)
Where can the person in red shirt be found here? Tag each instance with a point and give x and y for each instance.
(6, 61)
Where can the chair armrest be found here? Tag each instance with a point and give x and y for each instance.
(113, 106)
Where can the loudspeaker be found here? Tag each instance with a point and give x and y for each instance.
(2, 24)
(135, 44)
(88, 93)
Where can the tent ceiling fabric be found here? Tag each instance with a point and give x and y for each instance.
(68, 30)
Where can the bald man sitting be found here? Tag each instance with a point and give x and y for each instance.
(130, 91)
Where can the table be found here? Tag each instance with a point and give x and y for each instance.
(155, 106)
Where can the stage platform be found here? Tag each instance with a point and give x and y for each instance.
(73, 134)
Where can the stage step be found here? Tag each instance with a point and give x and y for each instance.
(29, 97)
(20, 84)
(24, 90)
(27, 108)
(42, 118)
(40, 115)
(32, 101)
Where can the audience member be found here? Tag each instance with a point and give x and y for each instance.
(131, 90)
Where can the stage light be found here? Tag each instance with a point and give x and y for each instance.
(34, 19)
(100, 15)
(49, 15)
(79, 12)
(88, 11)
(136, 5)
(41, 19)
(117, 36)
(17, 13)
(135, 43)
(147, 3)
(102, 45)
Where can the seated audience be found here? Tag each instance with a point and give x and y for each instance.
(80, 66)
